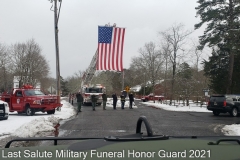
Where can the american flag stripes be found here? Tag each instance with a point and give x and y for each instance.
(110, 48)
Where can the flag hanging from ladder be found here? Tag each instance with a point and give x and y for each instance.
(110, 48)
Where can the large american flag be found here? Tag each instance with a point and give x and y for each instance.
(110, 48)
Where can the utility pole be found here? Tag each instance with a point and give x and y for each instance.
(56, 17)
(144, 84)
(123, 80)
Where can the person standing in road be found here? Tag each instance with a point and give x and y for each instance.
(79, 98)
(94, 101)
(69, 96)
(131, 100)
(122, 101)
(72, 98)
(114, 96)
(104, 98)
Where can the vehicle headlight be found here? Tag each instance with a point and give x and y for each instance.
(37, 102)
(5, 104)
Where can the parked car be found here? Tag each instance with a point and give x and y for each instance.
(228, 103)
(152, 97)
(4, 110)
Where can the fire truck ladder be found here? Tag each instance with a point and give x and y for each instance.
(90, 71)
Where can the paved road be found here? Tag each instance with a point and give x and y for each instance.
(119, 122)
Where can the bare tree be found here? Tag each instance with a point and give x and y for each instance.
(176, 38)
(149, 62)
(111, 80)
(166, 50)
(196, 53)
(74, 82)
(5, 63)
(29, 64)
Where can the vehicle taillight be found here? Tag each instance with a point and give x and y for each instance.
(224, 103)
(208, 103)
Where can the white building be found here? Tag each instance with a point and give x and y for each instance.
(16, 80)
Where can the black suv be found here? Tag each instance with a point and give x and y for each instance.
(224, 103)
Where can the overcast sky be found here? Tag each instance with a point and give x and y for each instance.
(22, 20)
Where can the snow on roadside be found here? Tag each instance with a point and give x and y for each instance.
(36, 126)
(180, 108)
(110, 103)
(28, 126)
(231, 130)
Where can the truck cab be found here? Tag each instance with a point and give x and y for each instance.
(30, 100)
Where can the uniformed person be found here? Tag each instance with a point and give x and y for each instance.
(79, 98)
(114, 96)
(122, 101)
(131, 100)
(104, 99)
(94, 101)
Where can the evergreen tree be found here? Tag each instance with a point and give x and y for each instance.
(185, 71)
(216, 70)
(184, 80)
(64, 88)
(222, 18)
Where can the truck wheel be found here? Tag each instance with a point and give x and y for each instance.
(33, 111)
(216, 113)
(29, 111)
(234, 112)
(51, 112)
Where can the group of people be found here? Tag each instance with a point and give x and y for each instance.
(94, 99)
(123, 100)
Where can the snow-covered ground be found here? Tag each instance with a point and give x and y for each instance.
(109, 104)
(28, 126)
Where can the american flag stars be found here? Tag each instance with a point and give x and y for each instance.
(105, 34)
(110, 48)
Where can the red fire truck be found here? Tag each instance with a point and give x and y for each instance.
(30, 100)
(152, 97)
(97, 90)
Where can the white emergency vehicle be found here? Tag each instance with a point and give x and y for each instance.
(4, 110)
